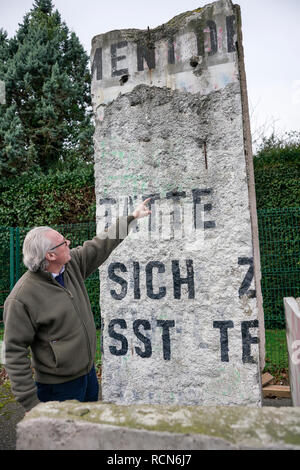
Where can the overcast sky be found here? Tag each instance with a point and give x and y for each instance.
(271, 41)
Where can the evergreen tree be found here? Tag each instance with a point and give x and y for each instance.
(46, 121)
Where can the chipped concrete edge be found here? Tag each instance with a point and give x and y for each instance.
(251, 182)
(71, 424)
(59, 434)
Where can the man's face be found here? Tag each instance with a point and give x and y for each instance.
(61, 252)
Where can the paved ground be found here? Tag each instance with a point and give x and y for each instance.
(277, 402)
(11, 413)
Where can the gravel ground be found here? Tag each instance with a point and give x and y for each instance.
(10, 414)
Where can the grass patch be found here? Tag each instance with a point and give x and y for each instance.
(277, 361)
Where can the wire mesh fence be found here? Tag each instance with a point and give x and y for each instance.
(279, 236)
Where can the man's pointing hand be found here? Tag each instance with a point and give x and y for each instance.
(142, 210)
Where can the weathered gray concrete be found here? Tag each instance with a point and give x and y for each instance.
(195, 51)
(292, 316)
(178, 297)
(85, 426)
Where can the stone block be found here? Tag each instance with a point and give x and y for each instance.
(292, 316)
(86, 426)
(180, 297)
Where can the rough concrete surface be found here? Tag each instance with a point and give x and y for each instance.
(195, 367)
(12, 413)
(178, 297)
(292, 317)
(86, 426)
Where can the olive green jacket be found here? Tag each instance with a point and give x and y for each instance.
(55, 322)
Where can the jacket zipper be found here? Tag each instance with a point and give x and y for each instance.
(84, 327)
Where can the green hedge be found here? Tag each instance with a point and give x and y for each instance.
(43, 199)
(277, 184)
(277, 173)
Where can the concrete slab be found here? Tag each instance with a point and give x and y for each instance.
(86, 426)
(180, 296)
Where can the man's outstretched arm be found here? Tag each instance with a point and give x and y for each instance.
(94, 252)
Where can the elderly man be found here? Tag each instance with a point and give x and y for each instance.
(49, 311)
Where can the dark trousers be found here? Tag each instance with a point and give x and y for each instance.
(85, 388)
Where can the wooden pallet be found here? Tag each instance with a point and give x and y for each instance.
(271, 390)
(278, 391)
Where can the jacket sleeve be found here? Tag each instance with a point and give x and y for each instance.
(18, 336)
(94, 252)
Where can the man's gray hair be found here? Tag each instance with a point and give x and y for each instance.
(35, 247)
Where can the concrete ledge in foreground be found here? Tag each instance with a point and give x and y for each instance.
(88, 426)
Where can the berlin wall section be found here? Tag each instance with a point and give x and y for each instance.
(178, 296)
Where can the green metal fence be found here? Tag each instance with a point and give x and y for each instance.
(279, 234)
